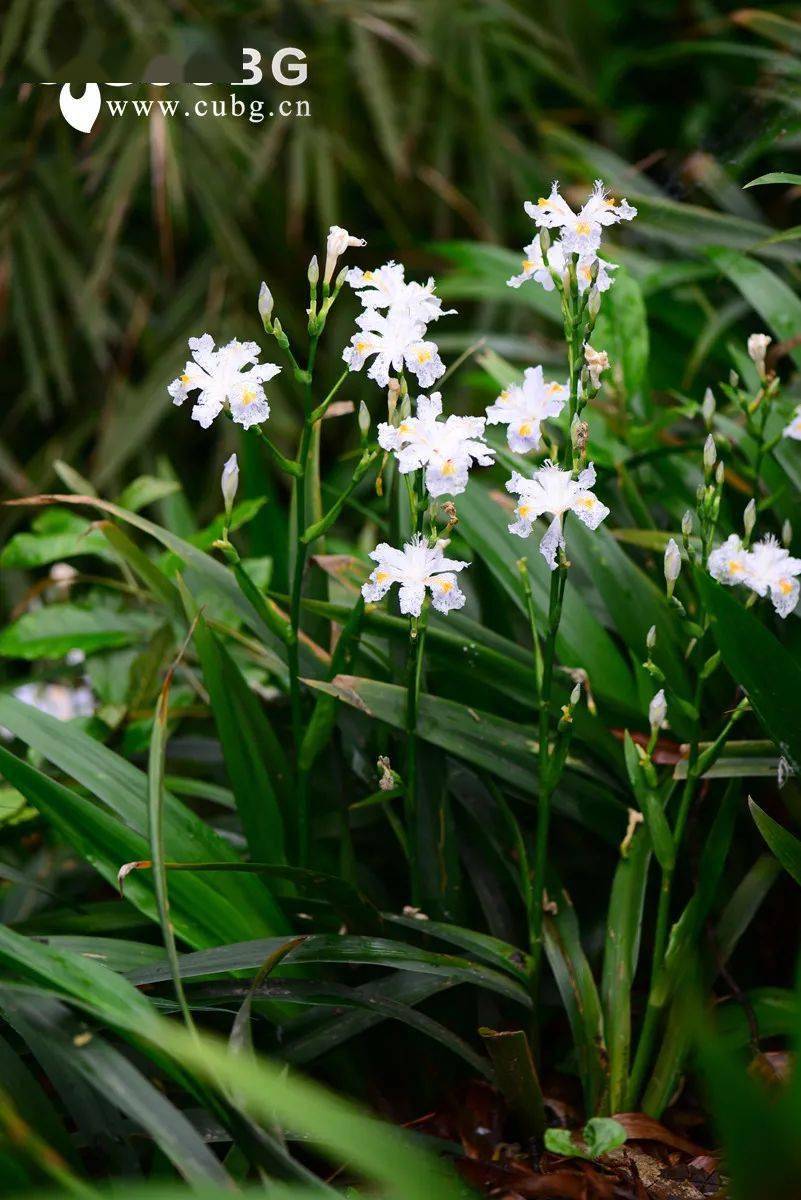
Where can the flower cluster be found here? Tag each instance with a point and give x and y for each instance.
(554, 491)
(230, 378)
(767, 569)
(415, 568)
(580, 235)
(446, 449)
(524, 407)
(392, 325)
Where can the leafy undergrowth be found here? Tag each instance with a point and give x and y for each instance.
(410, 808)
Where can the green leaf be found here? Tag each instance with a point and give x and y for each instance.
(581, 640)
(777, 304)
(55, 629)
(602, 1134)
(786, 847)
(201, 914)
(621, 954)
(768, 674)
(344, 949)
(92, 1059)
(123, 789)
(622, 330)
(580, 998)
(599, 1136)
(775, 177)
(145, 490)
(493, 743)
(254, 759)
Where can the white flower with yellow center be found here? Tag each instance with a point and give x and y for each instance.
(793, 430)
(767, 569)
(386, 287)
(447, 449)
(220, 378)
(555, 492)
(535, 267)
(415, 568)
(395, 341)
(770, 570)
(524, 407)
(729, 563)
(581, 231)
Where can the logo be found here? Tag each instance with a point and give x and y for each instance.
(80, 111)
(287, 67)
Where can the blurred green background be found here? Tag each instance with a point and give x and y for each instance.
(431, 121)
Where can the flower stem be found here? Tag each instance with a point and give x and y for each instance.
(655, 1005)
(414, 674)
(320, 527)
(286, 464)
(296, 596)
(547, 784)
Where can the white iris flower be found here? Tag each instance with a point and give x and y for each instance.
(386, 287)
(793, 430)
(524, 407)
(581, 231)
(416, 567)
(535, 267)
(767, 569)
(394, 341)
(230, 376)
(447, 449)
(554, 491)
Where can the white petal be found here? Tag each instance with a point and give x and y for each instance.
(411, 596)
(552, 541)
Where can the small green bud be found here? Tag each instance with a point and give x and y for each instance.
(313, 273)
(650, 637)
(672, 565)
(364, 420)
(265, 304)
(720, 473)
(687, 524)
(708, 407)
(710, 453)
(787, 533)
(749, 518)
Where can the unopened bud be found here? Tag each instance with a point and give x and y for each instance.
(757, 349)
(364, 419)
(545, 243)
(749, 518)
(734, 379)
(657, 711)
(594, 303)
(787, 533)
(265, 303)
(710, 453)
(720, 472)
(650, 637)
(708, 407)
(575, 695)
(672, 565)
(313, 273)
(229, 482)
(687, 524)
